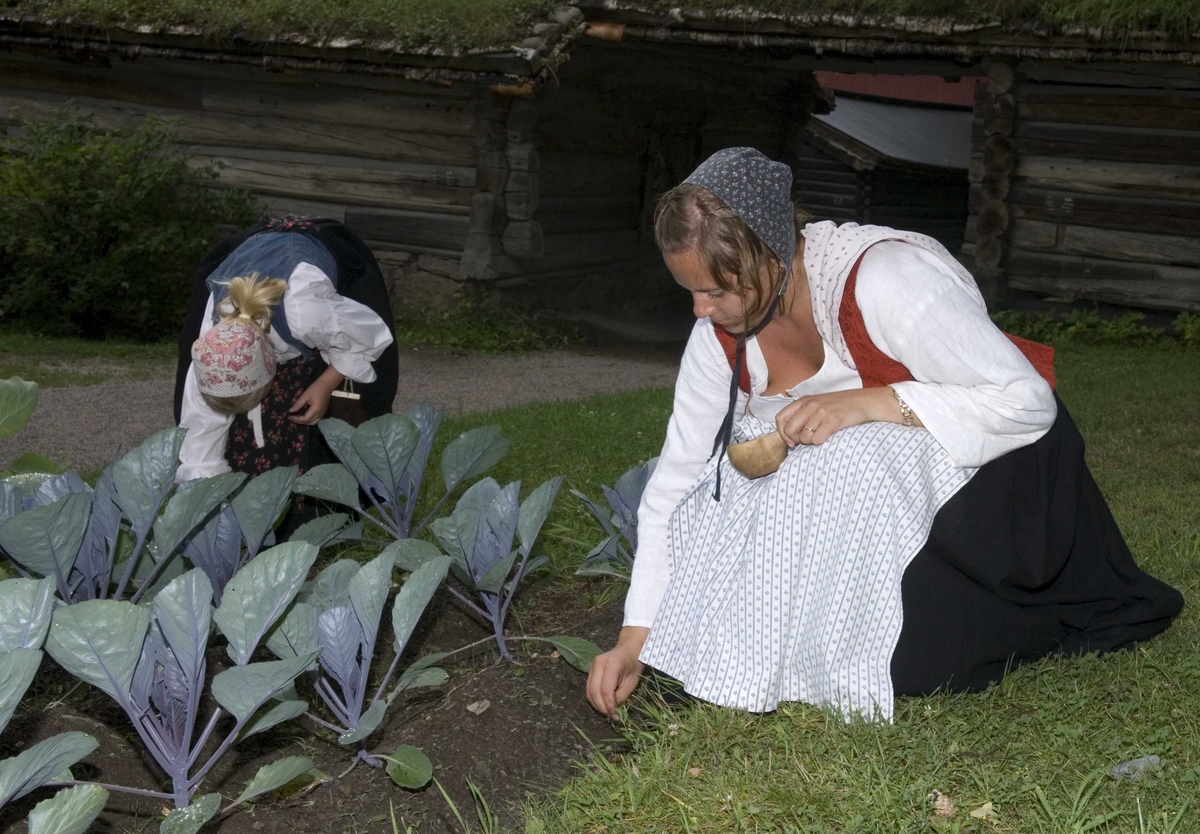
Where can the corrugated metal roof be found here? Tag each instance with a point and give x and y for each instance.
(921, 135)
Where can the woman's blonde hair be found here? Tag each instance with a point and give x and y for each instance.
(249, 299)
(689, 217)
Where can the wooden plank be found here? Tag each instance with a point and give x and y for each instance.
(1180, 292)
(1105, 96)
(201, 128)
(400, 185)
(339, 105)
(1033, 234)
(1109, 143)
(524, 239)
(409, 228)
(1131, 246)
(1024, 262)
(274, 204)
(1118, 212)
(1133, 116)
(1131, 74)
(123, 82)
(1109, 177)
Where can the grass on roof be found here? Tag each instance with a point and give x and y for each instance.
(456, 25)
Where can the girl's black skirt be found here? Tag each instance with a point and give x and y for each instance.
(1024, 561)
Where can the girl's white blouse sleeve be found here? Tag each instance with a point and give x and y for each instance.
(701, 397)
(974, 390)
(349, 335)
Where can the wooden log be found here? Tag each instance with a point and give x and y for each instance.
(415, 229)
(1106, 96)
(1177, 217)
(1164, 293)
(1023, 262)
(274, 204)
(491, 173)
(488, 215)
(399, 185)
(1131, 246)
(1000, 77)
(988, 251)
(522, 195)
(845, 176)
(999, 155)
(522, 121)
(1130, 74)
(1176, 118)
(993, 218)
(1104, 142)
(976, 170)
(588, 174)
(563, 215)
(1149, 179)
(1033, 234)
(995, 107)
(998, 127)
(196, 127)
(524, 239)
(995, 186)
(120, 83)
(336, 104)
(483, 258)
(970, 232)
(522, 156)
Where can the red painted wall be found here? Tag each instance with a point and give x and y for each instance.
(928, 88)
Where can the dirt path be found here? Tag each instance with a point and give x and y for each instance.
(83, 427)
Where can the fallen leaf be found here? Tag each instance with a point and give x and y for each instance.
(943, 806)
(479, 707)
(693, 771)
(985, 812)
(555, 654)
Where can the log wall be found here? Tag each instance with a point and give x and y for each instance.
(1086, 182)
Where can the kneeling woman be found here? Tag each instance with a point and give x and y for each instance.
(933, 522)
(280, 316)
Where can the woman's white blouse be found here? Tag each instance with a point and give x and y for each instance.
(973, 389)
(349, 336)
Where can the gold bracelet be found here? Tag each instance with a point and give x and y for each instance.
(905, 411)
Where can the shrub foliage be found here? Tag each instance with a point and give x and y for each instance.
(100, 231)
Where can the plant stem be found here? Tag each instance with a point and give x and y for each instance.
(326, 724)
(432, 512)
(70, 783)
(138, 544)
(466, 601)
(212, 724)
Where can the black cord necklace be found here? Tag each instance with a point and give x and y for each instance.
(725, 433)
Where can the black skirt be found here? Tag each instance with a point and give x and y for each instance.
(1024, 561)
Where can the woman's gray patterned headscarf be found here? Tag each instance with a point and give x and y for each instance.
(759, 191)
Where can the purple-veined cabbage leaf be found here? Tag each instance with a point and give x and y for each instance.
(613, 556)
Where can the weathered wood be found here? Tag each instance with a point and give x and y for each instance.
(491, 173)
(399, 185)
(202, 128)
(988, 250)
(803, 183)
(274, 204)
(1130, 74)
(442, 115)
(1176, 292)
(971, 230)
(999, 155)
(483, 258)
(522, 195)
(1033, 234)
(816, 175)
(997, 127)
(1132, 115)
(1179, 217)
(1110, 177)
(1023, 262)
(993, 218)
(1102, 96)
(410, 229)
(522, 121)
(488, 215)
(522, 156)
(596, 249)
(995, 186)
(1131, 246)
(1103, 142)
(524, 239)
(976, 170)
(121, 83)
(995, 107)
(563, 215)
(1000, 77)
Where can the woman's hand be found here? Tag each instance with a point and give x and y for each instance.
(812, 420)
(311, 406)
(615, 673)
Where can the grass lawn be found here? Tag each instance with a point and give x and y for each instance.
(59, 362)
(1036, 747)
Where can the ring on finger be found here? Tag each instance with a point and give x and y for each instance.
(810, 429)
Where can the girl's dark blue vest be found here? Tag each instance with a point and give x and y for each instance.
(272, 255)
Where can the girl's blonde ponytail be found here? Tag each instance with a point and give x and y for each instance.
(252, 299)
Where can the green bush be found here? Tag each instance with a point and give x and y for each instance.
(1088, 327)
(100, 232)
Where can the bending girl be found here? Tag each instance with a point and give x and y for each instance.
(933, 523)
(270, 335)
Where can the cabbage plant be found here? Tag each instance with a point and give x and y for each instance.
(614, 555)
(25, 610)
(386, 458)
(126, 535)
(479, 537)
(339, 613)
(150, 659)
